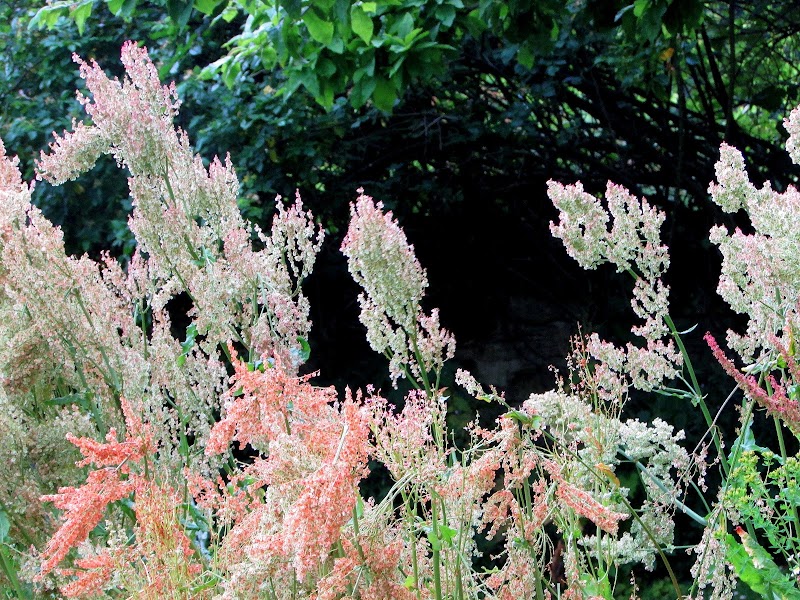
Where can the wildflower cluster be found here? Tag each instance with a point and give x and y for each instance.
(632, 245)
(202, 464)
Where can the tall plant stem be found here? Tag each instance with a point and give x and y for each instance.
(698, 399)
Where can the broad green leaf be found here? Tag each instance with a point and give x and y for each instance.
(361, 23)
(230, 73)
(336, 45)
(639, 7)
(48, 16)
(292, 8)
(80, 13)
(179, 11)
(476, 25)
(525, 56)
(384, 95)
(229, 14)
(435, 542)
(115, 6)
(446, 14)
(361, 91)
(207, 7)
(325, 97)
(403, 26)
(319, 29)
(128, 6)
(269, 58)
(310, 81)
(755, 567)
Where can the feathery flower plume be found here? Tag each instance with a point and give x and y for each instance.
(632, 244)
(85, 506)
(315, 453)
(760, 271)
(583, 503)
(383, 263)
(777, 403)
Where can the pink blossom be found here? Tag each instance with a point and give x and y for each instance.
(583, 504)
(776, 403)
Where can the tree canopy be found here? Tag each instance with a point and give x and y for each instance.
(454, 113)
(544, 88)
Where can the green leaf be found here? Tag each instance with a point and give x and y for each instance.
(213, 581)
(747, 442)
(269, 58)
(310, 81)
(446, 14)
(179, 11)
(292, 8)
(319, 29)
(755, 567)
(305, 348)
(336, 45)
(187, 344)
(447, 534)
(80, 13)
(384, 95)
(639, 7)
(403, 26)
(361, 23)
(128, 7)
(80, 399)
(229, 14)
(115, 6)
(523, 418)
(230, 73)
(183, 449)
(361, 91)
(47, 16)
(206, 257)
(5, 525)
(207, 7)
(435, 542)
(525, 56)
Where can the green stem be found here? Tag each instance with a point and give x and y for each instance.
(356, 534)
(409, 502)
(631, 511)
(437, 575)
(680, 505)
(698, 394)
(11, 573)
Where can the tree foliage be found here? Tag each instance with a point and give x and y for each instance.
(512, 94)
(577, 89)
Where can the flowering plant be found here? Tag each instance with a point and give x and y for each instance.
(218, 470)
